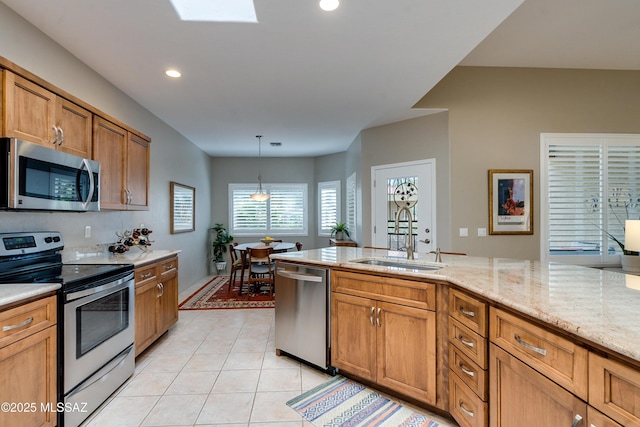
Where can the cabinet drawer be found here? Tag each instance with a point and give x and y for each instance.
(465, 407)
(389, 289)
(597, 419)
(468, 342)
(614, 389)
(558, 358)
(145, 273)
(469, 372)
(167, 267)
(468, 311)
(27, 319)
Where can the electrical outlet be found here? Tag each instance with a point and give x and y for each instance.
(482, 232)
(464, 232)
(87, 231)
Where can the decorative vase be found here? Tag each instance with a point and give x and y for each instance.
(631, 263)
(339, 235)
(220, 266)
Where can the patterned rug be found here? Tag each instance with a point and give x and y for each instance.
(215, 294)
(343, 402)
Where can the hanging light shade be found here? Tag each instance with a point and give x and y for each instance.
(260, 195)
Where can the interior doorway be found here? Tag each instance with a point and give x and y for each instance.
(411, 185)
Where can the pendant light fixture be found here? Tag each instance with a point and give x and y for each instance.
(260, 195)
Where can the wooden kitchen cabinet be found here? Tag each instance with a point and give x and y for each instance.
(33, 113)
(614, 389)
(384, 331)
(521, 396)
(124, 171)
(156, 301)
(28, 363)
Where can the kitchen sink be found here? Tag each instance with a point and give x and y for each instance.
(408, 265)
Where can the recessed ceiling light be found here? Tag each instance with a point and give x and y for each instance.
(329, 5)
(173, 73)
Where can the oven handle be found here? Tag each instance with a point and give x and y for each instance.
(85, 292)
(111, 366)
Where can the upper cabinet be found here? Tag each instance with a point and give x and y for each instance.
(35, 114)
(124, 166)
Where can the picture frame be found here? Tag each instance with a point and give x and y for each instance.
(510, 201)
(183, 208)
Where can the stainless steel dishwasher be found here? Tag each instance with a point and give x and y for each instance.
(302, 314)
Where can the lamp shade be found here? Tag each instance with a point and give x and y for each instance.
(632, 235)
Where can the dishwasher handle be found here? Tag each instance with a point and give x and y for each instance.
(300, 276)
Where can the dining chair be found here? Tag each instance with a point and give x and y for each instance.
(260, 268)
(299, 246)
(237, 264)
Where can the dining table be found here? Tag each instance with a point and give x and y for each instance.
(242, 247)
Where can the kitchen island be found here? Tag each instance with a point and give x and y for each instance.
(590, 316)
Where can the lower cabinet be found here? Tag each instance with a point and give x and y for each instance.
(28, 375)
(156, 302)
(520, 396)
(614, 389)
(390, 344)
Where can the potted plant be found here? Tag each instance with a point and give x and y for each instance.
(340, 230)
(220, 243)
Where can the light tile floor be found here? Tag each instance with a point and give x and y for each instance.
(213, 368)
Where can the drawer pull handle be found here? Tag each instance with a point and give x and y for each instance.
(371, 316)
(146, 275)
(525, 344)
(17, 325)
(468, 313)
(466, 342)
(168, 267)
(466, 370)
(577, 420)
(465, 410)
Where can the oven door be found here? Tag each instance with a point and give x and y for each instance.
(98, 325)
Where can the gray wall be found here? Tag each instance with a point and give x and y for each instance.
(173, 158)
(416, 139)
(496, 116)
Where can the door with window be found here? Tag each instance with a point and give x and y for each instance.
(411, 189)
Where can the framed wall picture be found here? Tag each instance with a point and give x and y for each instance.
(183, 208)
(510, 201)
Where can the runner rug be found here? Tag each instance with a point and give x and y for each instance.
(215, 294)
(343, 402)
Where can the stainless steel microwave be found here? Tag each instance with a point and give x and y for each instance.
(34, 177)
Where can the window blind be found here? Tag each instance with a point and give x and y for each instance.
(328, 206)
(351, 205)
(591, 184)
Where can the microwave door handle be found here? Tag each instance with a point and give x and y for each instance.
(92, 187)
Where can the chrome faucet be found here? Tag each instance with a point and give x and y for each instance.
(408, 240)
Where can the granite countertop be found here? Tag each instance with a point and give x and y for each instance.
(596, 305)
(13, 293)
(99, 255)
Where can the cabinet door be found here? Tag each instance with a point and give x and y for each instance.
(75, 124)
(29, 110)
(137, 181)
(168, 303)
(406, 350)
(146, 323)
(614, 389)
(520, 396)
(109, 144)
(353, 335)
(28, 377)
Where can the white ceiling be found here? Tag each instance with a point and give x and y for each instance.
(311, 79)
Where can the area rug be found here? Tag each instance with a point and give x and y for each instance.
(343, 402)
(215, 294)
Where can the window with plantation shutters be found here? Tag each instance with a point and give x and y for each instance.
(328, 206)
(350, 207)
(284, 213)
(590, 184)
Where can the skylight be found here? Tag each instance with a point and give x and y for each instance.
(215, 10)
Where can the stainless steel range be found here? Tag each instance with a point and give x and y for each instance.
(95, 318)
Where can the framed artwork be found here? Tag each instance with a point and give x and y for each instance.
(510, 201)
(183, 208)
